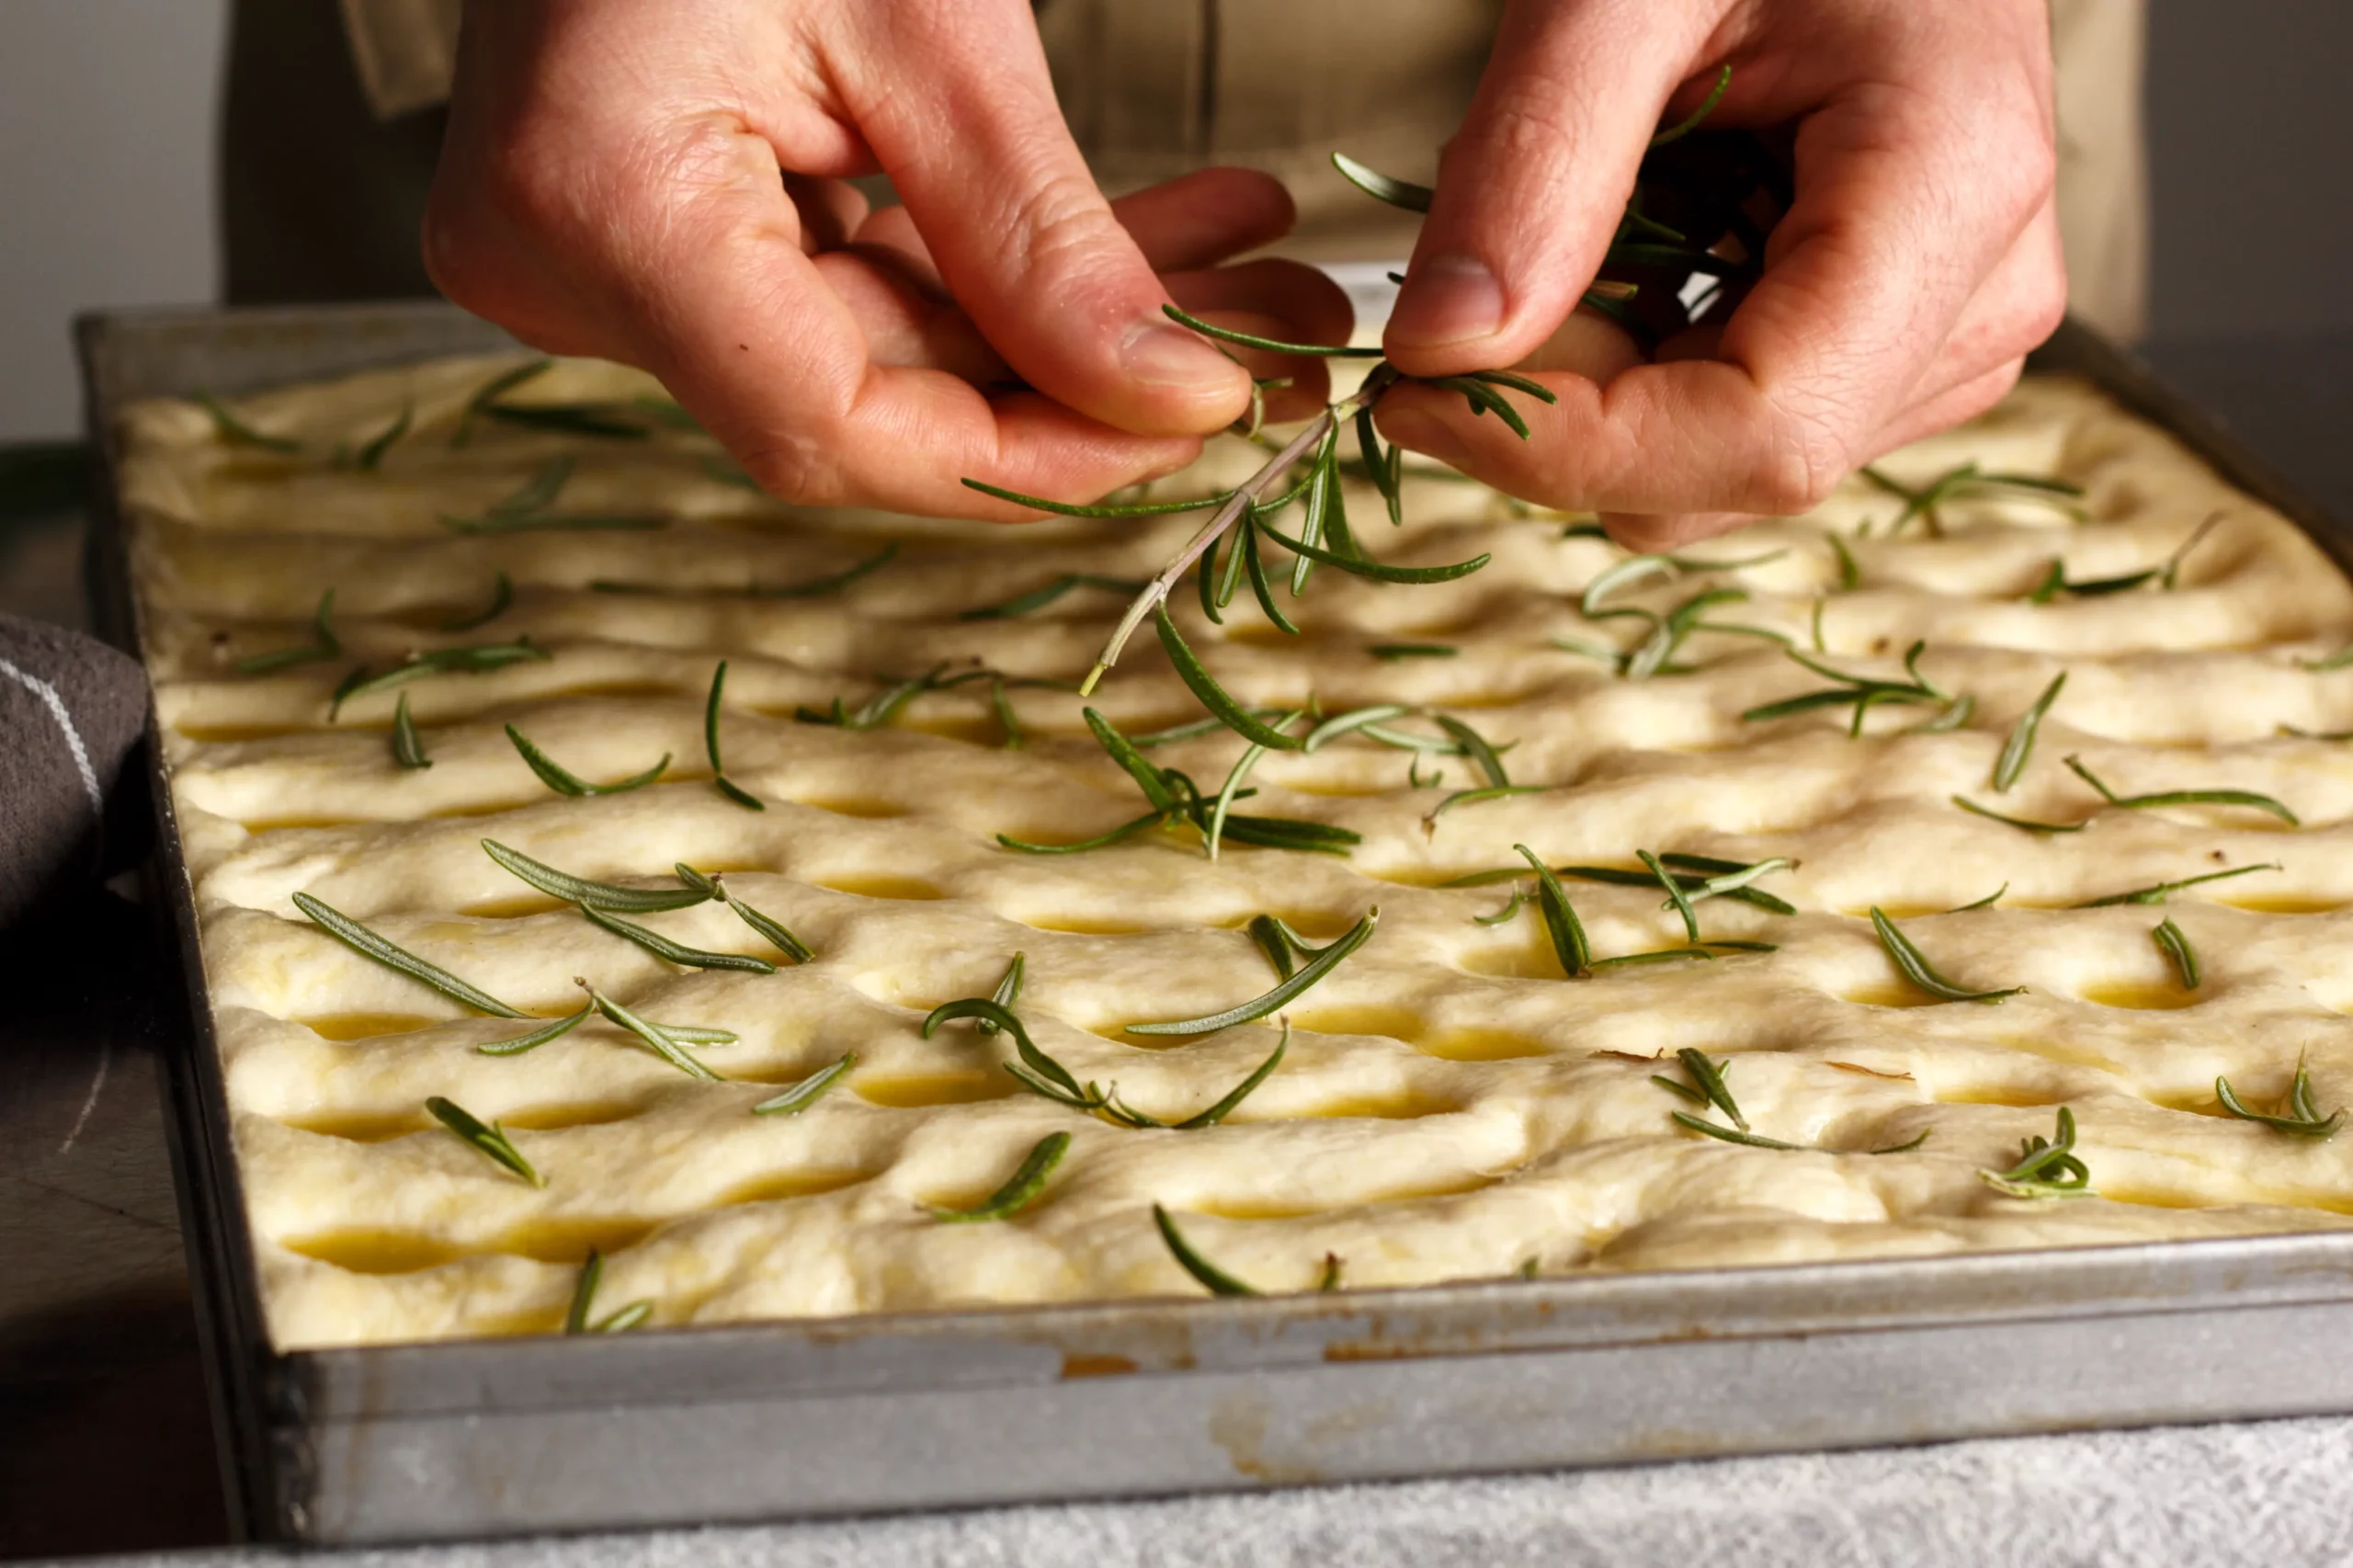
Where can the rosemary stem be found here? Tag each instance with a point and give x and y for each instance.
(1250, 490)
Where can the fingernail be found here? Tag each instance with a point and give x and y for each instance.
(1447, 298)
(1419, 432)
(1160, 355)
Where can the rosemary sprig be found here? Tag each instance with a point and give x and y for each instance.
(323, 644)
(1039, 597)
(519, 1044)
(1561, 922)
(805, 1094)
(580, 891)
(526, 510)
(2164, 574)
(408, 750)
(576, 1317)
(2020, 745)
(2171, 942)
(1966, 805)
(2185, 797)
(1020, 1190)
(479, 659)
(1212, 1278)
(771, 930)
(235, 432)
(662, 1041)
(490, 391)
(367, 943)
(2156, 892)
(564, 782)
(727, 786)
(2047, 1167)
(489, 1139)
(1921, 973)
(2302, 1119)
(1860, 692)
(676, 952)
(502, 596)
(1955, 483)
(1326, 961)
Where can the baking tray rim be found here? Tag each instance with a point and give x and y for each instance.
(266, 1391)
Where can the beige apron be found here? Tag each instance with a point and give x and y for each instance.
(1153, 87)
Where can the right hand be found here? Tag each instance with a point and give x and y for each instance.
(660, 182)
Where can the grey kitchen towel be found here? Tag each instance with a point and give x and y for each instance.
(72, 713)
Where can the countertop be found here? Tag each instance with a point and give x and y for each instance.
(106, 1445)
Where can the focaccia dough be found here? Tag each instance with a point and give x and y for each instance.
(1451, 1107)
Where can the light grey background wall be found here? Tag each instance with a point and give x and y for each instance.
(108, 108)
(105, 178)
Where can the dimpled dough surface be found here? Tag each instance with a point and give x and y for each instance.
(1451, 1106)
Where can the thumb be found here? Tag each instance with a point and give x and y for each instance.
(1023, 239)
(1530, 190)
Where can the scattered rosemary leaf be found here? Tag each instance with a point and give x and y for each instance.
(1729, 1135)
(235, 432)
(1020, 1190)
(1372, 182)
(1921, 973)
(1692, 122)
(408, 751)
(1967, 804)
(479, 659)
(564, 782)
(490, 1138)
(1326, 961)
(1212, 695)
(502, 595)
(1216, 1280)
(576, 1318)
(805, 1094)
(608, 421)
(727, 786)
(771, 931)
(1241, 1091)
(370, 457)
(1330, 1279)
(2303, 1118)
(1485, 793)
(2156, 892)
(1485, 757)
(1039, 597)
(1674, 893)
(663, 1043)
(2174, 945)
(579, 890)
(2047, 1167)
(367, 943)
(1850, 574)
(1503, 915)
(1710, 1088)
(1861, 693)
(1009, 989)
(2185, 797)
(661, 946)
(1989, 900)
(818, 587)
(2020, 745)
(1377, 571)
(1392, 652)
(552, 522)
(498, 386)
(323, 644)
(539, 1036)
(1561, 922)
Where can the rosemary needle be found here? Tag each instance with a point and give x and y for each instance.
(1966, 805)
(580, 889)
(1561, 922)
(2156, 892)
(1216, 1280)
(1020, 1190)
(1326, 961)
(576, 1318)
(661, 946)
(502, 596)
(235, 432)
(805, 1094)
(661, 1040)
(2174, 945)
(1009, 989)
(1674, 893)
(1036, 1071)
(1708, 1077)
(1917, 967)
(1038, 598)
(367, 943)
(1392, 652)
(727, 786)
(408, 750)
(1212, 695)
(479, 659)
(371, 455)
(564, 782)
(2047, 1167)
(490, 391)
(2020, 745)
(323, 644)
(537, 1038)
(772, 931)
(2184, 797)
(489, 1138)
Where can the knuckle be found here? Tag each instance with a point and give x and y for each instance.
(796, 466)
(1800, 463)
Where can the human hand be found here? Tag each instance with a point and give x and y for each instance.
(1901, 290)
(610, 185)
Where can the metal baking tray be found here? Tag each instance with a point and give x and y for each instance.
(908, 1410)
